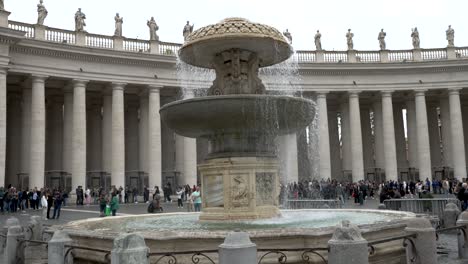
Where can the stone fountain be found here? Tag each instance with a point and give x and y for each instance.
(240, 120)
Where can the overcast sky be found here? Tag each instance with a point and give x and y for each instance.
(301, 17)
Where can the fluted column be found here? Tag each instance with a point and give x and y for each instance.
(458, 140)
(345, 137)
(79, 134)
(411, 134)
(422, 136)
(38, 126)
(391, 172)
(154, 120)
(143, 134)
(378, 135)
(3, 123)
(67, 150)
(26, 130)
(357, 161)
(324, 138)
(118, 136)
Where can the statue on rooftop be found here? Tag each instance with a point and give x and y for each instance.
(381, 39)
(288, 35)
(188, 29)
(2, 5)
(80, 20)
(118, 25)
(41, 13)
(349, 40)
(153, 27)
(450, 36)
(318, 40)
(415, 36)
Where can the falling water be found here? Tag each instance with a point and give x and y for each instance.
(194, 81)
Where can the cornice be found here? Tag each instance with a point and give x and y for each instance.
(77, 53)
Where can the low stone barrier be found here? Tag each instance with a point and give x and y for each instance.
(313, 204)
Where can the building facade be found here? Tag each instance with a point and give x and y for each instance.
(80, 109)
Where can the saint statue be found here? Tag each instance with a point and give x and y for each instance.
(188, 29)
(118, 25)
(2, 5)
(349, 39)
(415, 36)
(450, 36)
(381, 39)
(41, 13)
(80, 20)
(318, 41)
(288, 35)
(153, 27)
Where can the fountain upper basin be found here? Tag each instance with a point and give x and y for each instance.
(238, 114)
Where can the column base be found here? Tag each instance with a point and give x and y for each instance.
(239, 188)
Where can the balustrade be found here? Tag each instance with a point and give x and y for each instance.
(335, 56)
(368, 56)
(136, 45)
(60, 35)
(99, 41)
(461, 52)
(434, 54)
(305, 56)
(400, 55)
(28, 28)
(167, 48)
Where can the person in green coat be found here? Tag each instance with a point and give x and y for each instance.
(114, 204)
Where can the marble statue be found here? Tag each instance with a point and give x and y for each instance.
(415, 36)
(118, 25)
(153, 27)
(450, 36)
(349, 39)
(188, 29)
(41, 13)
(2, 5)
(288, 35)
(318, 41)
(381, 39)
(80, 20)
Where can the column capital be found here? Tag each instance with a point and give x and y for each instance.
(353, 94)
(420, 92)
(38, 78)
(154, 88)
(321, 94)
(79, 82)
(386, 93)
(118, 86)
(454, 91)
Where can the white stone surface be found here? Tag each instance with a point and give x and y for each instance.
(324, 138)
(79, 134)
(356, 137)
(118, 136)
(154, 156)
(458, 140)
(424, 154)
(391, 172)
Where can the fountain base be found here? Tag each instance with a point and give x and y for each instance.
(239, 188)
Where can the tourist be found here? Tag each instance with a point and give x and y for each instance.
(145, 195)
(155, 205)
(44, 207)
(65, 197)
(102, 203)
(156, 191)
(2, 195)
(180, 192)
(58, 200)
(114, 204)
(121, 194)
(127, 194)
(50, 202)
(190, 201)
(88, 196)
(196, 197)
(167, 192)
(135, 195)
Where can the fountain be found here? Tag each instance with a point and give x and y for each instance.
(240, 177)
(240, 182)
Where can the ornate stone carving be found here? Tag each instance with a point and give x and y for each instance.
(153, 27)
(288, 35)
(188, 29)
(264, 184)
(381, 39)
(240, 191)
(118, 25)
(80, 20)
(415, 37)
(318, 40)
(450, 36)
(347, 232)
(41, 13)
(349, 40)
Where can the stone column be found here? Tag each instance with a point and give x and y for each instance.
(26, 131)
(12, 253)
(345, 137)
(367, 152)
(378, 135)
(13, 143)
(446, 132)
(400, 140)
(356, 137)
(334, 145)
(118, 136)
(154, 155)
(79, 134)
(411, 134)
(324, 139)
(458, 140)
(129, 248)
(434, 136)
(38, 126)
(107, 133)
(3, 118)
(422, 136)
(143, 134)
(391, 172)
(237, 248)
(424, 244)
(68, 130)
(288, 158)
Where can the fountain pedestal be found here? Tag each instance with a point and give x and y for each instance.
(239, 188)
